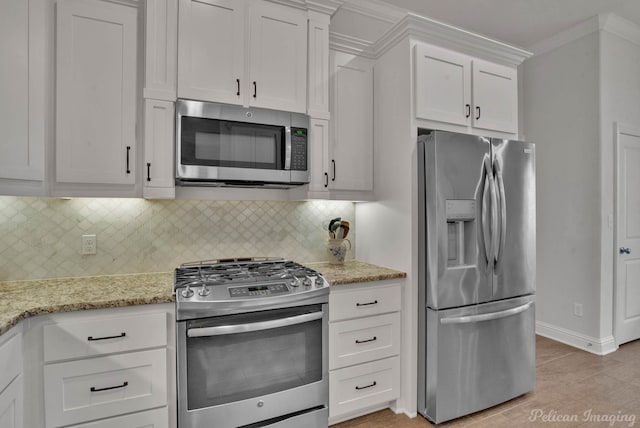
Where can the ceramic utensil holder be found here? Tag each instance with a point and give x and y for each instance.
(337, 250)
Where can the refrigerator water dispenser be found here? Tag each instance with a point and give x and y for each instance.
(460, 215)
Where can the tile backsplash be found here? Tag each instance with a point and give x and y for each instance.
(41, 238)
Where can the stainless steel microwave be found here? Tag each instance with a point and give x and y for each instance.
(225, 145)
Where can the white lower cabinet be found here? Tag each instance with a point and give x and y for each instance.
(108, 368)
(11, 383)
(11, 405)
(364, 348)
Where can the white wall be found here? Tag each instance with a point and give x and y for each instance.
(561, 116)
(620, 101)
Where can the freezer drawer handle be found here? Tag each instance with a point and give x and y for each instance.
(367, 386)
(486, 317)
(368, 340)
(256, 326)
(375, 302)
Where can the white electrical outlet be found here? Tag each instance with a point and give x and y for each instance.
(577, 309)
(89, 244)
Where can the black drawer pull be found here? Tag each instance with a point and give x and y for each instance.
(91, 338)
(238, 83)
(375, 302)
(367, 386)
(368, 340)
(128, 150)
(255, 90)
(148, 171)
(94, 389)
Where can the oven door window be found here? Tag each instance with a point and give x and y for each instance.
(212, 142)
(224, 368)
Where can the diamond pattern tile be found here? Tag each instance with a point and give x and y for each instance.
(40, 237)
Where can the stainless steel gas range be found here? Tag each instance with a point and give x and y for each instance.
(251, 344)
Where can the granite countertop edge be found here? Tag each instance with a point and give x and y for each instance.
(23, 299)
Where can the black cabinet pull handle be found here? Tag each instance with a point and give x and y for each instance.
(477, 112)
(333, 165)
(255, 90)
(128, 150)
(91, 338)
(238, 83)
(367, 386)
(368, 340)
(94, 389)
(326, 179)
(148, 171)
(375, 302)
(468, 107)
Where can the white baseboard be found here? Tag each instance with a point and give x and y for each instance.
(603, 346)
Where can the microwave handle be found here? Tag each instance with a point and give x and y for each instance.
(255, 326)
(287, 148)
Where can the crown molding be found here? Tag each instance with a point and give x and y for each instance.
(608, 22)
(450, 37)
(620, 27)
(327, 7)
(374, 9)
(351, 45)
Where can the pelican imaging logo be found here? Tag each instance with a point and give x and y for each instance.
(588, 416)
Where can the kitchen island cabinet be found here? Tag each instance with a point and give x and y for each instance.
(11, 396)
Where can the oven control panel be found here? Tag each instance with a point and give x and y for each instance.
(259, 290)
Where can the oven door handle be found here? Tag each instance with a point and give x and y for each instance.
(256, 326)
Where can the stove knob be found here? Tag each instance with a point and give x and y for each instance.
(306, 282)
(204, 291)
(295, 282)
(187, 292)
(319, 281)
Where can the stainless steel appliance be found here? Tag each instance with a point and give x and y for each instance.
(251, 344)
(225, 145)
(476, 272)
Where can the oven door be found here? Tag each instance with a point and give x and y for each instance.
(256, 367)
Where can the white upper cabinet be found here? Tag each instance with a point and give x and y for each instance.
(442, 85)
(161, 49)
(351, 147)
(211, 50)
(96, 92)
(159, 164)
(278, 57)
(251, 53)
(21, 90)
(495, 97)
(457, 89)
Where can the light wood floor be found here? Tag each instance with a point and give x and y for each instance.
(570, 384)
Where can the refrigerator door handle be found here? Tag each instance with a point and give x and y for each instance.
(494, 218)
(503, 213)
(486, 317)
(486, 232)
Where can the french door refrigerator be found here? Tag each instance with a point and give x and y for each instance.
(477, 262)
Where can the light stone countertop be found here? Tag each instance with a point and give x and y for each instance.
(22, 299)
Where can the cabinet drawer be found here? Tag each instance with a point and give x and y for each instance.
(157, 418)
(363, 302)
(10, 360)
(95, 388)
(363, 339)
(104, 335)
(364, 385)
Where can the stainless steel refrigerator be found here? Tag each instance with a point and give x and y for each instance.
(477, 272)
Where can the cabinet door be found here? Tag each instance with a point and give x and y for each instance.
(22, 141)
(161, 49)
(318, 155)
(159, 164)
(495, 97)
(211, 50)
(95, 92)
(442, 85)
(318, 101)
(351, 148)
(278, 57)
(11, 405)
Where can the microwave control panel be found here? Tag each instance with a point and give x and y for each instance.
(298, 149)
